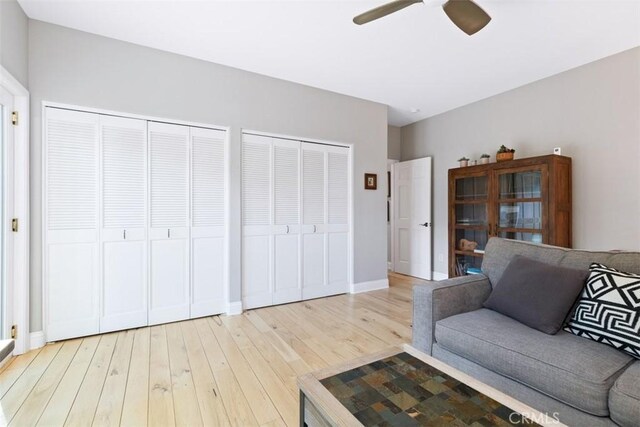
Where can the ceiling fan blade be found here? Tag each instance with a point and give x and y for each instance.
(467, 15)
(383, 10)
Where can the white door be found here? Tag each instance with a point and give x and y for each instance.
(208, 197)
(257, 238)
(314, 214)
(412, 217)
(71, 203)
(286, 215)
(169, 217)
(337, 251)
(124, 223)
(6, 213)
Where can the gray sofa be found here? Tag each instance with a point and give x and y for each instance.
(584, 382)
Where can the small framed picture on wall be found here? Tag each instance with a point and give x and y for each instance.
(370, 181)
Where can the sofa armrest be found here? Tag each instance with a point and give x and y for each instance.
(439, 300)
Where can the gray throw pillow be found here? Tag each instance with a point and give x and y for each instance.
(536, 294)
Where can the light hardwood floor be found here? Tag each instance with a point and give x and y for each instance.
(220, 370)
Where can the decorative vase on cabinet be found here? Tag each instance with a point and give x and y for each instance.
(526, 199)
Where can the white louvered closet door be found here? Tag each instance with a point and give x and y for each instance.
(71, 245)
(314, 214)
(338, 206)
(207, 222)
(169, 217)
(286, 216)
(257, 238)
(123, 145)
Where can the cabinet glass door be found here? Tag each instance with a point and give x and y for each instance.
(471, 226)
(520, 207)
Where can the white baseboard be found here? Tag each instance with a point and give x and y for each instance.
(36, 340)
(234, 308)
(372, 285)
(436, 275)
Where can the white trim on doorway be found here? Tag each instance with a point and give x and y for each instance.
(234, 308)
(20, 291)
(36, 340)
(390, 228)
(437, 276)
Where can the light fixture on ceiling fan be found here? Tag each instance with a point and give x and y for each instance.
(467, 15)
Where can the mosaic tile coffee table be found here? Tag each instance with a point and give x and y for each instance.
(402, 386)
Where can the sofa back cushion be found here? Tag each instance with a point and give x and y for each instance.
(499, 252)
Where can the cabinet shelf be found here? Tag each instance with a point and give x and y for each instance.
(471, 226)
(520, 230)
(484, 197)
(468, 253)
(521, 200)
(471, 202)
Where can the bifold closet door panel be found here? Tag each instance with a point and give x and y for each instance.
(257, 238)
(338, 201)
(286, 215)
(71, 222)
(169, 222)
(208, 197)
(314, 212)
(124, 223)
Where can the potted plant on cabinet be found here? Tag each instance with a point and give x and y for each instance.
(484, 159)
(463, 162)
(504, 154)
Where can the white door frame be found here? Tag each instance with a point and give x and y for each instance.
(391, 244)
(20, 208)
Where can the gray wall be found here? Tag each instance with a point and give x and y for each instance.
(73, 67)
(592, 112)
(14, 36)
(394, 139)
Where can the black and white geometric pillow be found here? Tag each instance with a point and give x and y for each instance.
(609, 309)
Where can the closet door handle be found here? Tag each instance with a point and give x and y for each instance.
(124, 234)
(314, 228)
(168, 233)
(287, 229)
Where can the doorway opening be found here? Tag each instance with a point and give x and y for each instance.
(14, 216)
(411, 226)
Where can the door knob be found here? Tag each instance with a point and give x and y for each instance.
(426, 224)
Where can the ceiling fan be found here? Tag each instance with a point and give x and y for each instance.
(467, 15)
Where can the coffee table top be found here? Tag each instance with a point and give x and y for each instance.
(402, 386)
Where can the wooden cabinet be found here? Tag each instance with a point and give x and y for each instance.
(527, 199)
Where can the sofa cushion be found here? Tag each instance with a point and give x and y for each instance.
(624, 398)
(609, 310)
(568, 368)
(537, 294)
(499, 252)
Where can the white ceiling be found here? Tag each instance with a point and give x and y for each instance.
(413, 59)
